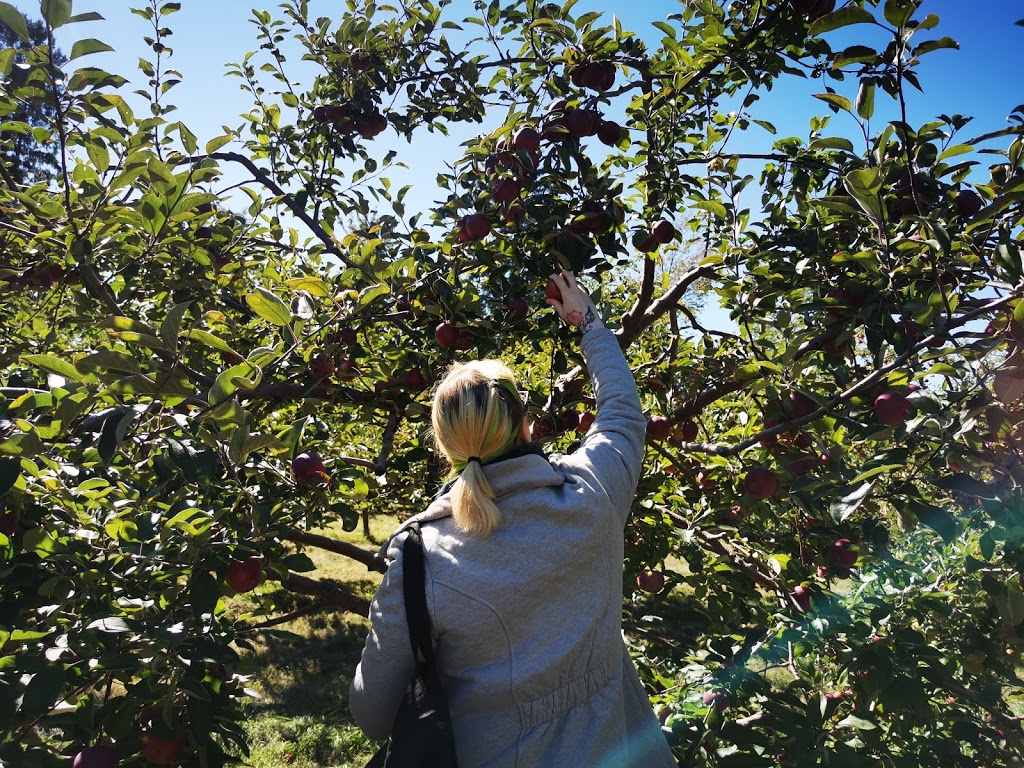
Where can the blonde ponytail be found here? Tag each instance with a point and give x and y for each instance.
(473, 504)
(476, 417)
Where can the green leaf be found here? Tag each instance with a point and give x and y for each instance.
(898, 12)
(214, 342)
(171, 326)
(55, 365)
(112, 434)
(314, 286)
(55, 12)
(14, 19)
(967, 484)
(875, 471)
(269, 307)
(866, 98)
(229, 381)
(865, 185)
(844, 17)
(936, 518)
(214, 144)
(844, 507)
(836, 101)
(43, 691)
(349, 516)
(299, 562)
(711, 206)
(87, 46)
(852, 721)
(10, 471)
(292, 437)
(107, 360)
(111, 625)
(205, 592)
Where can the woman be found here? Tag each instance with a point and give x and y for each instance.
(524, 577)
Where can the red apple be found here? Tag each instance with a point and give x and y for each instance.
(347, 369)
(309, 468)
(968, 203)
(542, 427)
(597, 76)
(802, 597)
(504, 190)
(801, 467)
(160, 751)
(651, 581)
(663, 231)
(96, 757)
(891, 408)
(382, 387)
(465, 341)
(769, 441)
(685, 432)
(552, 291)
(360, 59)
(646, 244)
(610, 133)
(658, 428)
(447, 335)
(8, 521)
(586, 420)
(244, 575)
(801, 405)
(841, 554)
(415, 380)
(320, 365)
(518, 307)
(569, 420)
(839, 301)
(346, 335)
(715, 699)
(526, 138)
(760, 482)
(582, 122)
(477, 226)
(371, 124)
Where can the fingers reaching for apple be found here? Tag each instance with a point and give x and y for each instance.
(570, 302)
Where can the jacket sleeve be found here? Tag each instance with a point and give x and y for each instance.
(387, 664)
(612, 451)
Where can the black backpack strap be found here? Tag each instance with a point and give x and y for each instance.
(415, 593)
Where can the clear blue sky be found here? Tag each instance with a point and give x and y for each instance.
(981, 79)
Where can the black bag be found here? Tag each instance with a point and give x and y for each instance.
(422, 734)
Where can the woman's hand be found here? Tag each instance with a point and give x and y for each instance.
(575, 308)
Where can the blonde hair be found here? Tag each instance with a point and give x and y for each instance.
(476, 414)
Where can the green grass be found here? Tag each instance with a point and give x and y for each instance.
(302, 670)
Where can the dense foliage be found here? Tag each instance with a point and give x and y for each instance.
(193, 378)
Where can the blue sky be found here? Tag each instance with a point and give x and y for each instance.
(981, 79)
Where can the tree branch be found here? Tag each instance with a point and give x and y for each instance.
(328, 592)
(297, 210)
(370, 559)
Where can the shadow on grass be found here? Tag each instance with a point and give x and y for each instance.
(302, 671)
(305, 667)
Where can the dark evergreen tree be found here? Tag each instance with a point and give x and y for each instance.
(27, 147)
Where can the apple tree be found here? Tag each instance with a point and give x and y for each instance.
(200, 374)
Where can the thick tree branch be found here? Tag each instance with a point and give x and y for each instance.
(328, 592)
(366, 557)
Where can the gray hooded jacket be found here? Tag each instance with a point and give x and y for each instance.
(528, 620)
